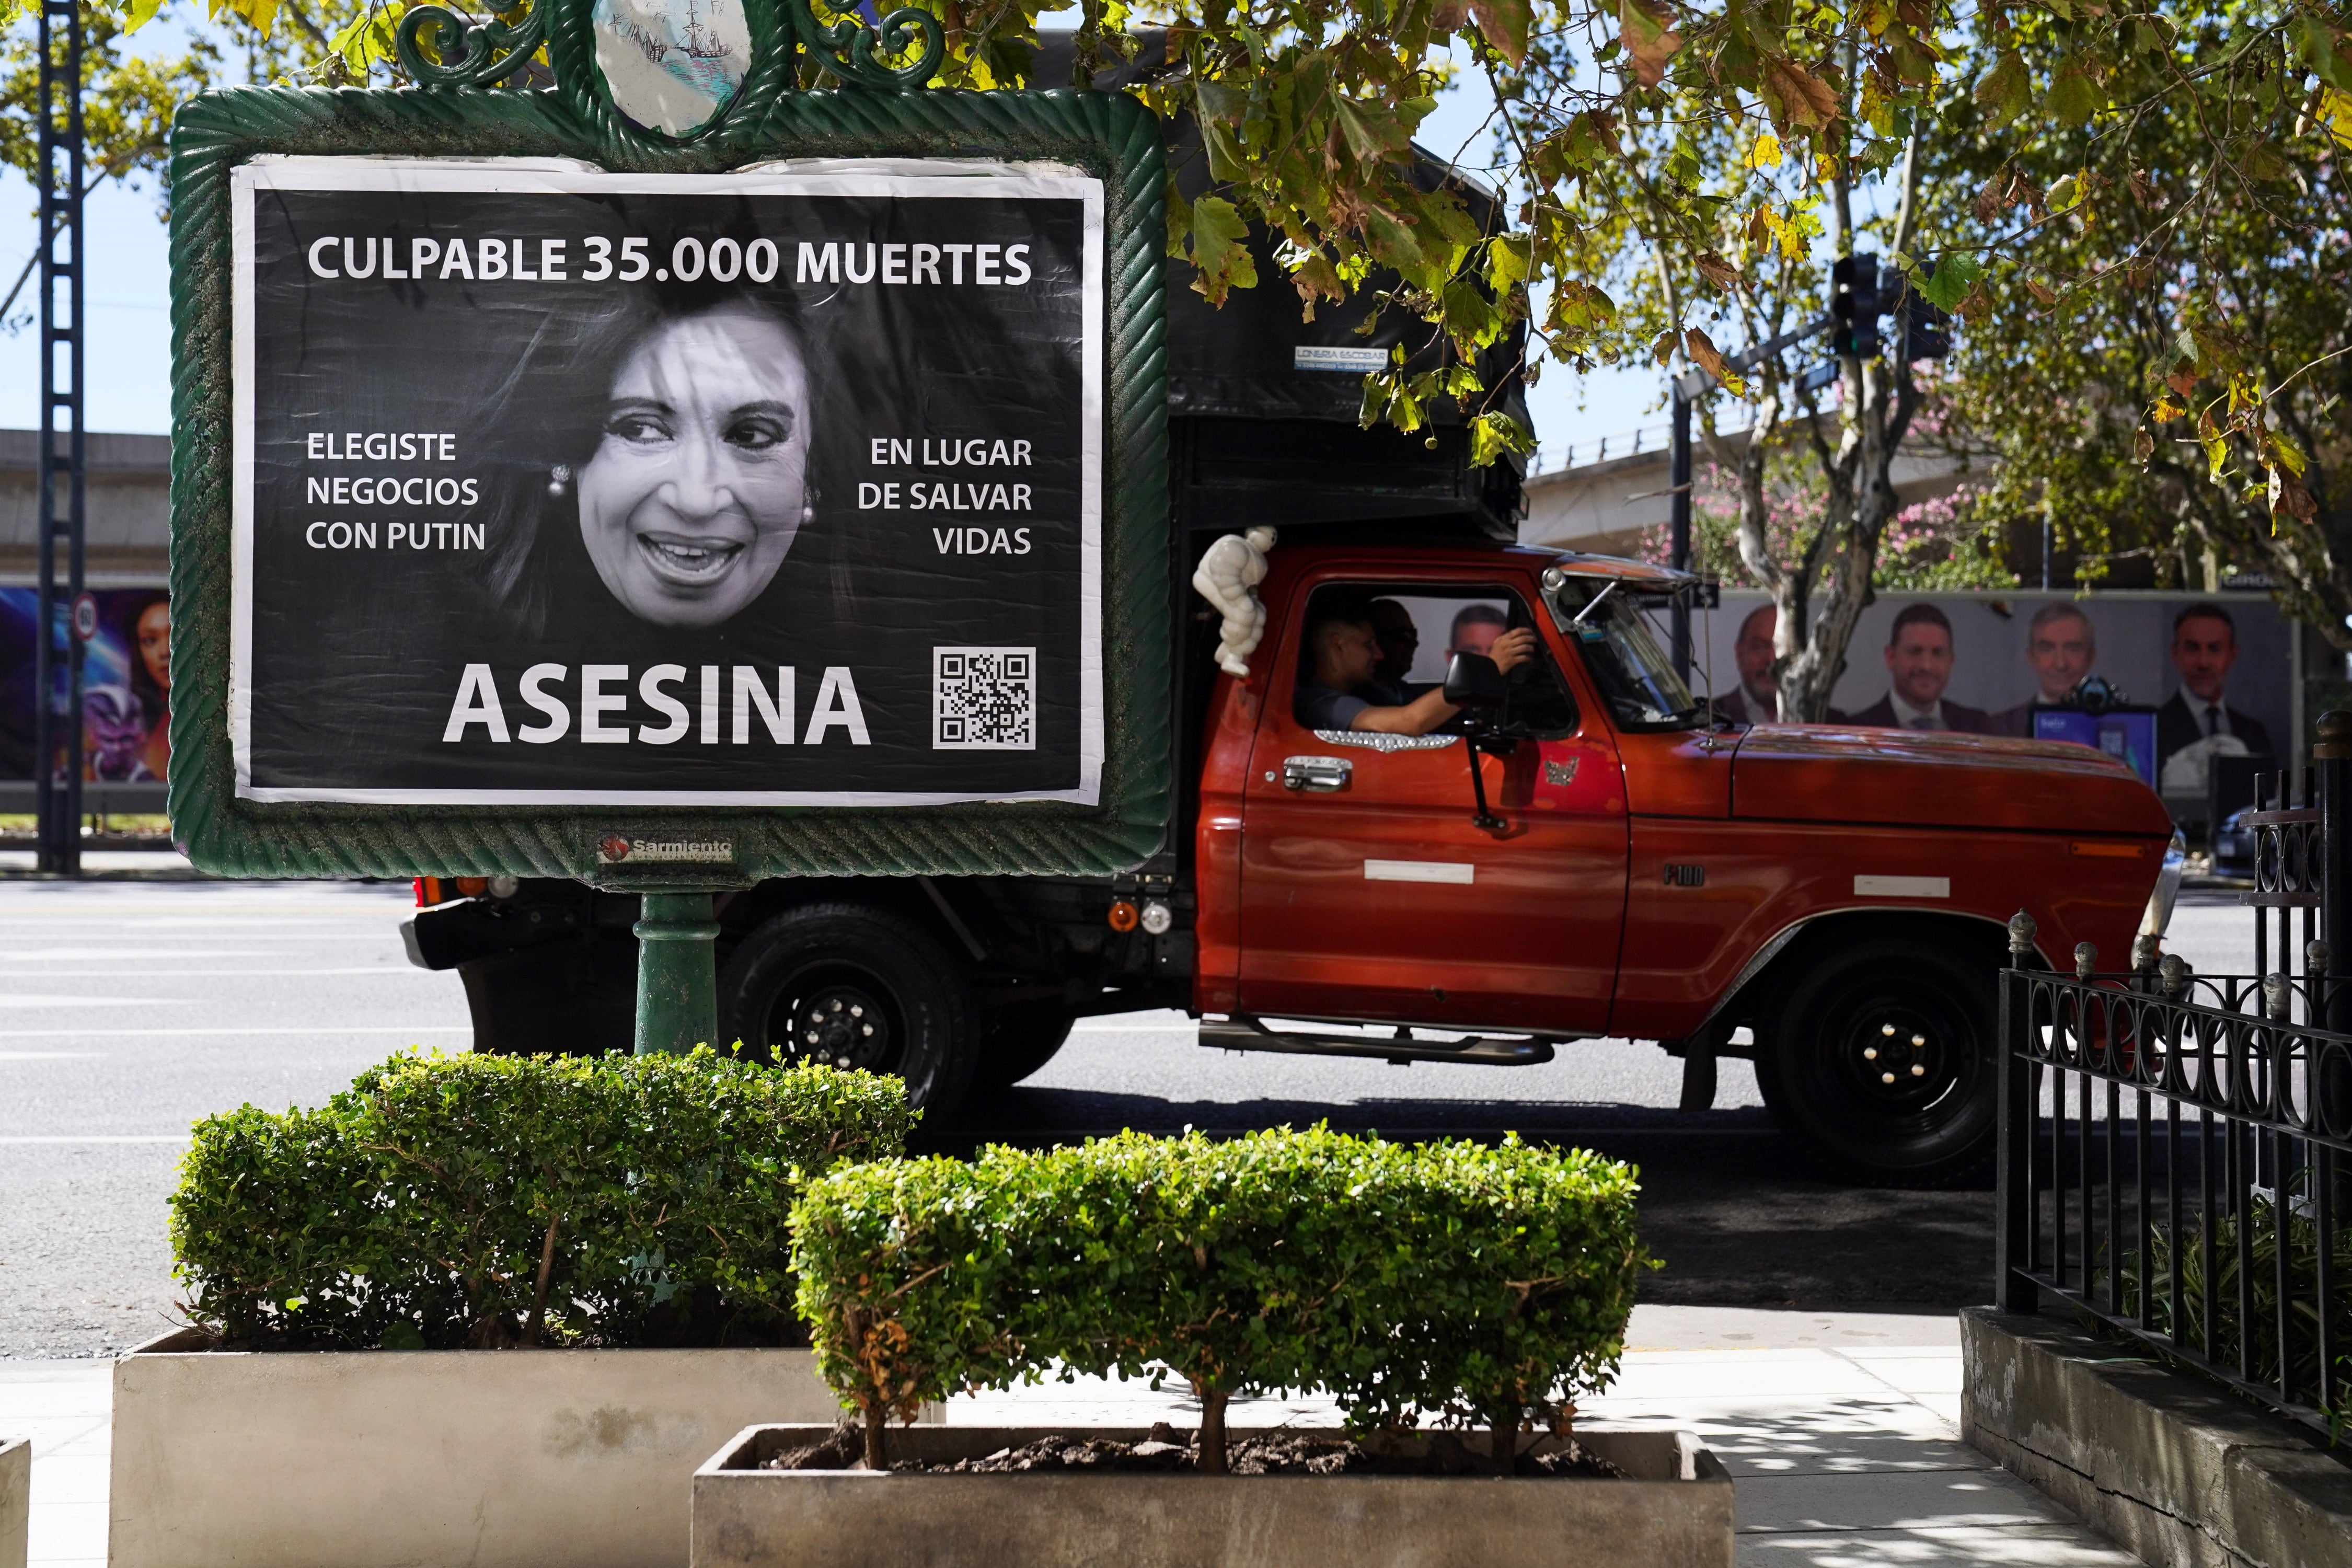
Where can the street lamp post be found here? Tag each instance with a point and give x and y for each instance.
(61, 520)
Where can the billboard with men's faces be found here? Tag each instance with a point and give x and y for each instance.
(2218, 670)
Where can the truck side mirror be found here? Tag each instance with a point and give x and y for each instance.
(1473, 681)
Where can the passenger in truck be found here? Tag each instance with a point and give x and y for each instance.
(1399, 639)
(1341, 654)
(1475, 628)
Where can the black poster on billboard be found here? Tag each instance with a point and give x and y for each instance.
(555, 487)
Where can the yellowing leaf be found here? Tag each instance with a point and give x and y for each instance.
(1709, 358)
(1578, 306)
(141, 13)
(2216, 447)
(1506, 263)
(1715, 270)
(1796, 99)
(2336, 114)
(1765, 154)
(260, 13)
(1505, 25)
(1493, 435)
(1647, 28)
(2288, 496)
(1221, 250)
(1180, 218)
(1316, 278)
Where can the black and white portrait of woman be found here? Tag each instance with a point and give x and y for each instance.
(539, 460)
(671, 465)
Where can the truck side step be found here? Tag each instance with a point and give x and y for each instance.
(1240, 1032)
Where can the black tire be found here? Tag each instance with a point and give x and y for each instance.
(1017, 1040)
(874, 988)
(1852, 1023)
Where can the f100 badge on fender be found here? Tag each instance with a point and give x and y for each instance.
(564, 487)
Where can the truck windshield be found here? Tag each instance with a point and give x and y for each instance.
(1622, 650)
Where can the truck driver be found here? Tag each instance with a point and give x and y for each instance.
(1343, 653)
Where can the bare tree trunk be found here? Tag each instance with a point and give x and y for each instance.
(1503, 1444)
(1877, 406)
(1212, 1428)
(878, 1426)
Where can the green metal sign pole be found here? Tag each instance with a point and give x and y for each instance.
(677, 980)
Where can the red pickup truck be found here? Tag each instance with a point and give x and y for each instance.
(1827, 900)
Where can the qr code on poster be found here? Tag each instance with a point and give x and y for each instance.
(984, 699)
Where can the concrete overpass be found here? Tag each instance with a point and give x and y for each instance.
(1602, 495)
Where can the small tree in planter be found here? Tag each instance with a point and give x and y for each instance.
(906, 1284)
(1507, 1293)
(1227, 1263)
(446, 1202)
(1468, 1282)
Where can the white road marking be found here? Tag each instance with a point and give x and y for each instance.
(403, 967)
(130, 949)
(266, 1029)
(8, 1002)
(98, 1138)
(1457, 871)
(49, 1056)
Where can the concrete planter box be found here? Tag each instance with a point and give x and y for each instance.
(2177, 1469)
(1675, 1510)
(394, 1458)
(15, 1500)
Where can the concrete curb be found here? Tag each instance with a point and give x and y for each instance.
(2176, 1469)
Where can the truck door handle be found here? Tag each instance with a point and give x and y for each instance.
(1320, 774)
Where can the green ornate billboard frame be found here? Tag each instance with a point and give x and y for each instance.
(812, 90)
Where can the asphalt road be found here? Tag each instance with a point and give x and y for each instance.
(128, 1009)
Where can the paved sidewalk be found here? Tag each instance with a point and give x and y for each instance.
(1842, 1429)
(63, 1406)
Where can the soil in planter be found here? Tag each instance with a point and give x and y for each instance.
(1283, 1454)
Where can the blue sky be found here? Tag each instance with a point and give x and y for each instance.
(130, 353)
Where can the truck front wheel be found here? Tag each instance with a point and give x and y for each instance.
(1882, 1055)
(852, 987)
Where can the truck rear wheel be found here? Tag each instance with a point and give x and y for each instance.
(852, 987)
(1019, 1040)
(1882, 1056)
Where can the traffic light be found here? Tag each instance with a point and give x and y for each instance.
(1926, 331)
(1854, 301)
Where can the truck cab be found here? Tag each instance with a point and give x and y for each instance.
(1828, 900)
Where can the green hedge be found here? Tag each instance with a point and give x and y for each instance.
(483, 1201)
(1474, 1285)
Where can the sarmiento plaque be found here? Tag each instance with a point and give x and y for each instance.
(555, 487)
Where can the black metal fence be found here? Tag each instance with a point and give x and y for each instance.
(2176, 1149)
